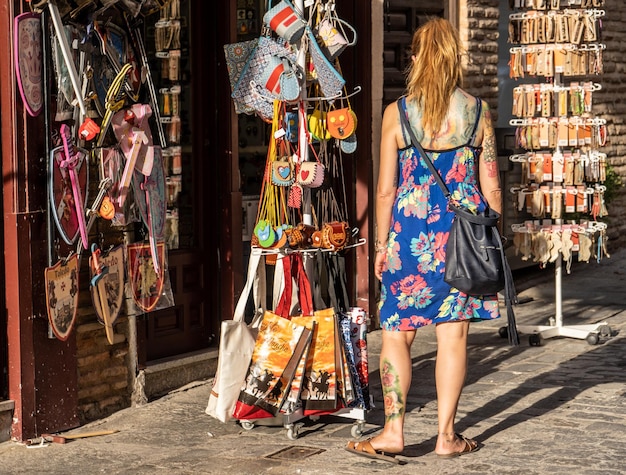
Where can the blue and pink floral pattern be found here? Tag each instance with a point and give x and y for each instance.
(413, 292)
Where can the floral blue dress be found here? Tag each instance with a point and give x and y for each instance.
(413, 292)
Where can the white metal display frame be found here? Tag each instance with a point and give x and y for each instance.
(556, 327)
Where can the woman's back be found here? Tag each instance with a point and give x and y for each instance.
(456, 129)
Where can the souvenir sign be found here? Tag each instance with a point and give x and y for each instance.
(62, 196)
(28, 61)
(62, 295)
(146, 282)
(106, 273)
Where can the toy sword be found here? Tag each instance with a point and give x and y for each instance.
(70, 162)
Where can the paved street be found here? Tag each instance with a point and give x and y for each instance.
(558, 408)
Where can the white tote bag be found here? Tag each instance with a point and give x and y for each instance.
(237, 341)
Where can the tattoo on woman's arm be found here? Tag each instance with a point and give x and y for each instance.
(392, 393)
(489, 153)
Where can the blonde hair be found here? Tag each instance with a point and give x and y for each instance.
(436, 69)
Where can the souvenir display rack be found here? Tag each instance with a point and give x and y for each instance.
(296, 214)
(563, 167)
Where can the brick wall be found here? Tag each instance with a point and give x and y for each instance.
(478, 26)
(104, 379)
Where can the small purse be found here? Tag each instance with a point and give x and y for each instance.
(280, 78)
(335, 235)
(311, 174)
(318, 125)
(282, 172)
(332, 41)
(284, 21)
(341, 123)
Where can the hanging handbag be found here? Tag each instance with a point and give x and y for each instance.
(237, 343)
(332, 38)
(283, 19)
(280, 78)
(249, 94)
(282, 172)
(331, 82)
(475, 261)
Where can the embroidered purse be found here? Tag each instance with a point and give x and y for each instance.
(282, 172)
(311, 174)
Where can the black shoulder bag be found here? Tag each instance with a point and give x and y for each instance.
(475, 260)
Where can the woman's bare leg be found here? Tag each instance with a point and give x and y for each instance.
(395, 376)
(450, 372)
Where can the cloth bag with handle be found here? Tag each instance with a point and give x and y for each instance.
(237, 341)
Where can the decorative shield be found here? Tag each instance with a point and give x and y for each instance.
(115, 52)
(107, 294)
(28, 61)
(150, 195)
(62, 295)
(61, 194)
(146, 283)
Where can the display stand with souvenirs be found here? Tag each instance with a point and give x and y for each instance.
(84, 66)
(563, 167)
(290, 77)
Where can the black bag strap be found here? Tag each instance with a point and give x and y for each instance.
(510, 295)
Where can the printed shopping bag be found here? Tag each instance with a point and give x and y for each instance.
(319, 389)
(237, 341)
(278, 349)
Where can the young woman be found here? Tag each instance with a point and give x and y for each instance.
(413, 222)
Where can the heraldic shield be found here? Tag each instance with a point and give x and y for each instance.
(62, 295)
(146, 283)
(107, 294)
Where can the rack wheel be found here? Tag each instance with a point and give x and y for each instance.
(503, 332)
(534, 339)
(247, 425)
(605, 331)
(592, 338)
(357, 429)
(292, 432)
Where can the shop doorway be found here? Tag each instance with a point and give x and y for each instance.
(401, 19)
(190, 325)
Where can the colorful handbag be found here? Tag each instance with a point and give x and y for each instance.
(248, 95)
(317, 125)
(311, 174)
(282, 172)
(335, 235)
(330, 81)
(341, 123)
(280, 78)
(332, 41)
(284, 21)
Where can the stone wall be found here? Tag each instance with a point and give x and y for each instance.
(103, 369)
(478, 26)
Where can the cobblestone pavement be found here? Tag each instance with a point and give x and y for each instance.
(558, 408)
